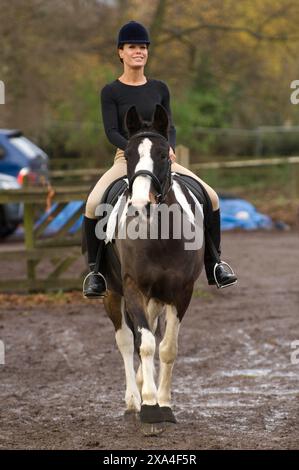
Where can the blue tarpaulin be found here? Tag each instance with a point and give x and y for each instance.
(238, 213)
(62, 218)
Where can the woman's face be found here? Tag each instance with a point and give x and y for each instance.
(134, 55)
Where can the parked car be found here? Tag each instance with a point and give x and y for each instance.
(10, 214)
(19, 156)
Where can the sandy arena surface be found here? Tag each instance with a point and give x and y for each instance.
(234, 387)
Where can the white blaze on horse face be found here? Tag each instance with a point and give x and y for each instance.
(142, 184)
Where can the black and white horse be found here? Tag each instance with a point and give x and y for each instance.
(157, 274)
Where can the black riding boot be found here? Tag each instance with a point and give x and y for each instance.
(94, 284)
(217, 271)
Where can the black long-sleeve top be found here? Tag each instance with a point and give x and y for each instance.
(117, 98)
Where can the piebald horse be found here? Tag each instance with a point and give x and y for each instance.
(156, 275)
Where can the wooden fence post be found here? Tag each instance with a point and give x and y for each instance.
(29, 235)
(295, 174)
(183, 156)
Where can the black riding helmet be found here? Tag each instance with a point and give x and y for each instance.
(133, 33)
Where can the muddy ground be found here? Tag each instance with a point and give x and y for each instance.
(62, 386)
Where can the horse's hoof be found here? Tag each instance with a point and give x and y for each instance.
(151, 414)
(151, 420)
(152, 429)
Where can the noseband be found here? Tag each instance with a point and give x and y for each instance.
(160, 196)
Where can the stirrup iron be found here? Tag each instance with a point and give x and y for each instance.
(231, 271)
(100, 296)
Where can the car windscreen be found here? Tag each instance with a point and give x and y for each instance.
(26, 147)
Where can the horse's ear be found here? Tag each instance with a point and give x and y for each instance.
(160, 120)
(132, 121)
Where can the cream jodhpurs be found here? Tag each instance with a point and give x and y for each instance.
(119, 169)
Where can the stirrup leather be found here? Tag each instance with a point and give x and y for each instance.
(96, 274)
(231, 271)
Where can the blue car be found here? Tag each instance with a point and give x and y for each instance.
(10, 214)
(19, 156)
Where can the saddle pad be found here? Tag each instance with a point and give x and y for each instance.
(112, 196)
(199, 192)
(114, 190)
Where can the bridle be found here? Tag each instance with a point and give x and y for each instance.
(160, 187)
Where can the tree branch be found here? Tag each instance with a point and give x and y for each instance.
(179, 34)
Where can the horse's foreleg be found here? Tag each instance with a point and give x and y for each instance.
(144, 339)
(150, 413)
(125, 342)
(168, 352)
(114, 305)
(152, 309)
(147, 352)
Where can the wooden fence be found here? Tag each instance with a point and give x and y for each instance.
(63, 249)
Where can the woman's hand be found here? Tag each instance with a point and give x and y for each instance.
(171, 154)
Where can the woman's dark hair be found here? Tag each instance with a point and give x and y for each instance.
(120, 47)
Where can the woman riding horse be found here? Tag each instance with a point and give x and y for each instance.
(134, 88)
